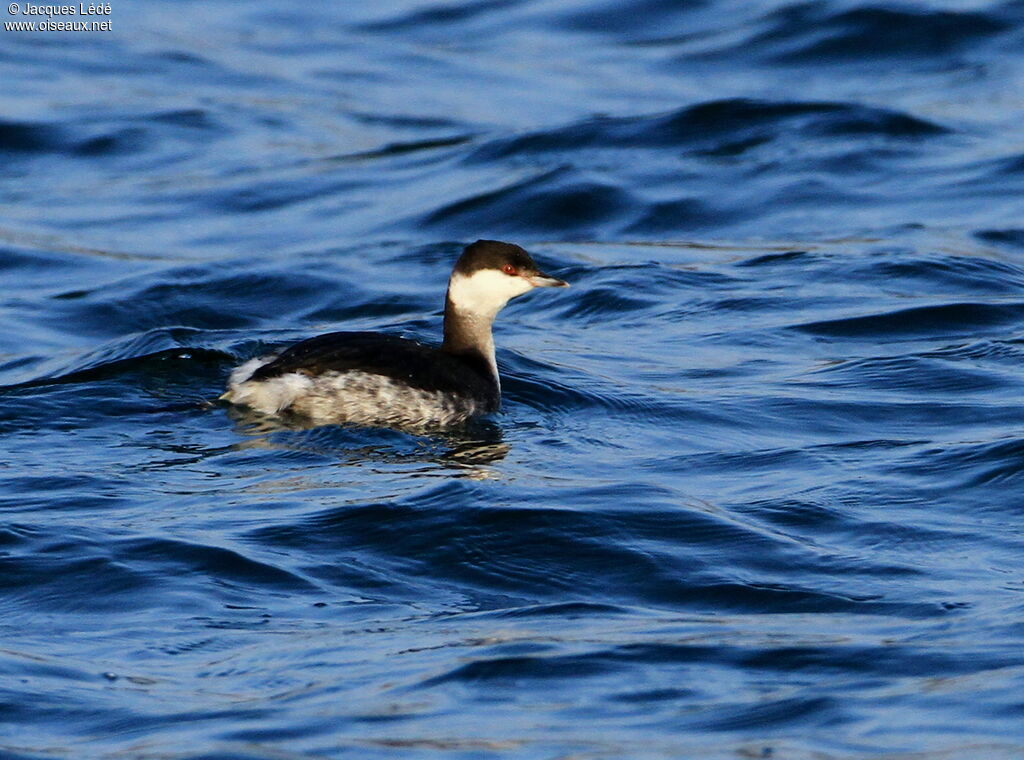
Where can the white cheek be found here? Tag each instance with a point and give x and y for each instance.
(485, 291)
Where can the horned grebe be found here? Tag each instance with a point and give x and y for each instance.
(376, 379)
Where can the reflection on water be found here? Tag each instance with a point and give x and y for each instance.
(476, 443)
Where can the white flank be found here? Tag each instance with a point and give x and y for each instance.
(267, 396)
(355, 397)
(243, 372)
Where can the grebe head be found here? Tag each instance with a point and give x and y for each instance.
(490, 273)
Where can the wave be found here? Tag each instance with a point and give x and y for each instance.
(714, 124)
(946, 320)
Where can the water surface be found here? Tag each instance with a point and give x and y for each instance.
(753, 490)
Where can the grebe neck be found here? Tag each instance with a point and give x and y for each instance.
(468, 333)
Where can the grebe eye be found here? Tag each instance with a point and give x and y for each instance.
(508, 269)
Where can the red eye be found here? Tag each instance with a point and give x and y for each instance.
(508, 269)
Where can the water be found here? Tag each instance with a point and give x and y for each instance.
(754, 489)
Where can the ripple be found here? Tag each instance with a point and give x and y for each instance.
(437, 15)
(915, 376)
(196, 298)
(968, 274)
(515, 669)
(716, 123)
(811, 33)
(27, 137)
(497, 554)
(1012, 237)
(969, 465)
(945, 320)
(225, 565)
(557, 200)
(632, 20)
(705, 166)
(88, 139)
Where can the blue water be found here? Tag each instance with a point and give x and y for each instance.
(754, 490)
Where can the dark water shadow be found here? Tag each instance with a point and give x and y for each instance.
(476, 442)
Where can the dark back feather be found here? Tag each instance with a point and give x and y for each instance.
(424, 367)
